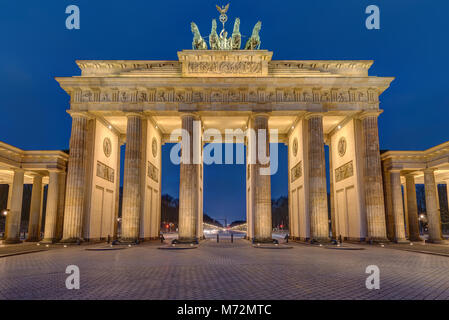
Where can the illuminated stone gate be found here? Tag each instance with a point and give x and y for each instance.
(310, 103)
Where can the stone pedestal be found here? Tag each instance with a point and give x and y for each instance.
(262, 181)
(372, 178)
(433, 214)
(412, 208)
(76, 181)
(189, 182)
(35, 210)
(14, 215)
(132, 180)
(51, 213)
(319, 221)
(397, 205)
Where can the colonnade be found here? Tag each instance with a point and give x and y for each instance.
(54, 209)
(402, 212)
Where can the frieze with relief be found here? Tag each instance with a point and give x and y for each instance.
(345, 171)
(218, 95)
(105, 172)
(296, 172)
(153, 172)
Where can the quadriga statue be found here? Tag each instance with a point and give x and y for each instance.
(236, 36)
(253, 43)
(198, 42)
(213, 37)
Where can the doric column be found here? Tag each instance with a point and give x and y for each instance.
(189, 180)
(412, 208)
(35, 209)
(397, 204)
(262, 200)
(332, 198)
(117, 190)
(319, 221)
(8, 207)
(51, 213)
(433, 214)
(372, 177)
(132, 179)
(61, 201)
(14, 214)
(76, 180)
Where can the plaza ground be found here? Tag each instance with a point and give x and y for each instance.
(224, 270)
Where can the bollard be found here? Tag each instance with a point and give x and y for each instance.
(109, 238)
(218, 240)
(232, 238)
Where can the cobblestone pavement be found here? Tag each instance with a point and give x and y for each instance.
(225, 271)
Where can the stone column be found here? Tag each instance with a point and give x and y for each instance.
(262, 200)
(51, 214)
(372, 178)
(117, 191)
(189, 182)
(412, 208)
(76, 180)
(8, 207)
(319, 221)
(132, 180)
(15, 212)
(397, 204)
(35, 209)
(332, 198)
(61, 201)
(433, 214)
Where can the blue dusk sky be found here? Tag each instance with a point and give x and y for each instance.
(412, 45)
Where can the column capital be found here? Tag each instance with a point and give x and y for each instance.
(368, 114)
(135, 114)
(260, 114)
(37, 175)
(429, 170)
(55, 171)
(79, 114)
(190, 114)
(309, 115)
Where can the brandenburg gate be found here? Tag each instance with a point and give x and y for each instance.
(310, 103)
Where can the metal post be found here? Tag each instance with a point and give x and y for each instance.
(218, 239)
(232, 237)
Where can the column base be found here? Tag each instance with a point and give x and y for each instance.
(263, 240)
(401, 241)
(185, 240)
(32, 240)
(377, 240)
(129, 241)
(49, 241)
(72, 240)
(437, 241)
(320, 240)
(12, 241)
(415, 239)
